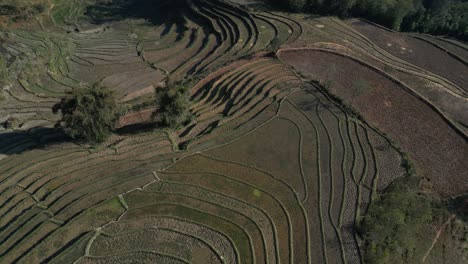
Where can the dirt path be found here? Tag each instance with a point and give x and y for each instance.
(51, 6)
(436, 238)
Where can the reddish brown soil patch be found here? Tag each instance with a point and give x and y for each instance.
(416, 51)
(141, 117)
(438, 151)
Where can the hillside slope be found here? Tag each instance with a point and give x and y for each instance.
(300, 124)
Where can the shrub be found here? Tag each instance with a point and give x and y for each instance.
(274, 45)
(173, 102)
(12, 123)
(22, 9)
(459, 206)
(389, 69)
(89, 114)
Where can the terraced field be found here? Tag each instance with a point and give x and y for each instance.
(272, 169)
(384, 104)
(132, 56)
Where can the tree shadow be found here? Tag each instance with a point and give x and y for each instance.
(16, 142)
(136, 128)
(156, 12)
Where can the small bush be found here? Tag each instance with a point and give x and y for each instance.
(184, 145)
(12, 123)
(274, 45)
(388, 69)
(89, 114)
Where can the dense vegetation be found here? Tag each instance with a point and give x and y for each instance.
(441, 17)
(397, 221)
(449, 19)
(173, 103)
(22, 9)
(89, 114)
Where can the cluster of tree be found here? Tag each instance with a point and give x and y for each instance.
(91, 114)
(22, 9)
(397, 221)
(441, 17)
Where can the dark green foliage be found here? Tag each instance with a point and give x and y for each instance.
(89, 114)
(459, 206)
(297, 5)
(396, 222)
(184, 145)
(440, 17)
(157, 12)
(22, 9)
(388, 12)
(437, 6)
(173, 102)
(6, 9)
(449, 19)
(338, 7)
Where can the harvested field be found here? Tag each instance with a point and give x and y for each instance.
(420, 130)
(260, 148)
(263, 210)
(234, 95)
(415, 51)
(456, 49)
(336, 35)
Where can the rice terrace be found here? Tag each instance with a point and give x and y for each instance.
(233, 131)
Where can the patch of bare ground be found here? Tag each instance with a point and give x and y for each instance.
(135, 118)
